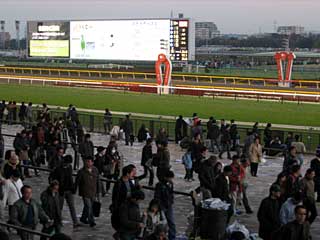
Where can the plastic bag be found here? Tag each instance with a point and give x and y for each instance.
(237, 227)
(215, 203)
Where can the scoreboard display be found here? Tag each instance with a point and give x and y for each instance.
(134, 39)
(48, 39)
(179, 35)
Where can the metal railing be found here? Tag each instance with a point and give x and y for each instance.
(18, 228)
(128, 75)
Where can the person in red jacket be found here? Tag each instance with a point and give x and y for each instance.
(236, 178)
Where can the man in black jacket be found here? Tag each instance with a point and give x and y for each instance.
(213, 134)
(222, 185)
(22, 113)
(165, 194)
(179, 129)
(63, 174)
(121, 192)
(127, 127)
(86, 148)
(131, 221)
(163, 156)
(298, 229)
(207, 177)
(57, 159)
(51, 206)
(146, 161)
(234, 134)
(225, 141)
(268, 213)
(315, 165)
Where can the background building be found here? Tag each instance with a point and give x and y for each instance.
(289, 30)
(206, 30)
(4, 40)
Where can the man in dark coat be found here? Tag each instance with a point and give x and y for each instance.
(213, 134)
(179, 129)
(131, 221)
(22, 113)
(225, 141)
(86, 148)
(315, 165)
(163, 156)
(222, 185)
(222, 188)
(299, 229)
(121, 193)
(51, 205)
(63, 174)
(207, 177)
(127, 127)
(88, 183)
(57, 159)
(234, 134)
(146, 161)
(164, 193)
(267, 135)
(268, 213)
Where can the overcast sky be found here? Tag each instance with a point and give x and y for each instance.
(231, 16)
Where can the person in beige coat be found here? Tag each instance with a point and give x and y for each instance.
(255, 155)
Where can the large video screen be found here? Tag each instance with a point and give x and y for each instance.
(128, 39)
(48, 39)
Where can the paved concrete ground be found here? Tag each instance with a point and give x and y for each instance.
(257, 190)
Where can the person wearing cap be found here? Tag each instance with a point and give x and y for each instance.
(315, 165)
(63, 174)
(88, 181)
(268, 213)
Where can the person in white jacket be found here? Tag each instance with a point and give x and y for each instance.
(12, 190)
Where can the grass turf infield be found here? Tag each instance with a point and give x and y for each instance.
(171, 105)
